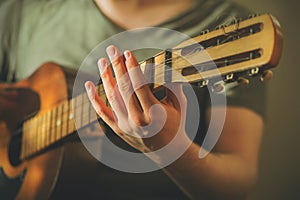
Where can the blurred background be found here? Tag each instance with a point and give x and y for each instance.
(280, 162)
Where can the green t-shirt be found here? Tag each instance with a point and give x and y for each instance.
(64, 32)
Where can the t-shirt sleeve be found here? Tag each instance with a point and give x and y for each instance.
(10, 11)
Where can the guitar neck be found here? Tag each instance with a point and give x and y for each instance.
(54, 125)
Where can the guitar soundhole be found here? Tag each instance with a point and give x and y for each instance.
(15, 150)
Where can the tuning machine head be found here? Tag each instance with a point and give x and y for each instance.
(204, 32)
(266, 75)
(203, 83)
(253, 15)
(243, 81)
(254, 71)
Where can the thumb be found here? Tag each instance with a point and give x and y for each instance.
(175, 95)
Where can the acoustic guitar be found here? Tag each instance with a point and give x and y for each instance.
(34, 134)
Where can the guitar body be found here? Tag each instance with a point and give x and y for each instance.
(37, 177)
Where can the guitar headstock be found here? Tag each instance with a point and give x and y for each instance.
(244, 48)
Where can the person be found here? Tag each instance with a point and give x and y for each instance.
(64, 32)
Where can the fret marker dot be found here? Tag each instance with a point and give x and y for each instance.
(71, 116)
(58, 123)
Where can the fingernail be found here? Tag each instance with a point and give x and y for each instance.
(127, 54)
(111, 51)
(102, 65)
(89, 90)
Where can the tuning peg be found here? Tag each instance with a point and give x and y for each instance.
(253, 15)
(229, 77)
(204, 32)
(254, 71)
(218, 88)
(203, 83)
(266, 76)
(243, 81)
(222, 26)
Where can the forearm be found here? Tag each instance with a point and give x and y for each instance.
(217, 176)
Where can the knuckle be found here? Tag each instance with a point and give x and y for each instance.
(99, 111)
(111, 96)
(117, 61)
(124, 86)
(139, 121)
(124, 127)
(138, 84)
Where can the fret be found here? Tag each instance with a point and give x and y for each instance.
(53, 127)
(29, 136)
(102, 95)
(47, 125)
(71, 124)
(39, 135)
(58, 122)
(43, 120)
(148, 67)
(65, 115)
(159, 70)
(32, 137)
(92, 113)
(85, 110)
(168, 66)
(78, 111)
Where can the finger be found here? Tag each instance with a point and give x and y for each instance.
(99, 106)
(112, 93)
(139, 82)
(123, 81)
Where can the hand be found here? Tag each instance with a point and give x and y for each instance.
(8, 102)
(136, 115)
(16, 104)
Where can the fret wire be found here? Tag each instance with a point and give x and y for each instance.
(85, 110)
(48, 125)
(38, 133)
(168, 66)
(92, 112)
(65, 119)
(71, 126)
(77, 111)
(33, 137)
(58, 123)
(43, 131)
(53, 127)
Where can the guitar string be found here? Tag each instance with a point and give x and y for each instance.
(179, 57)
(159, 76)
(102, 92)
